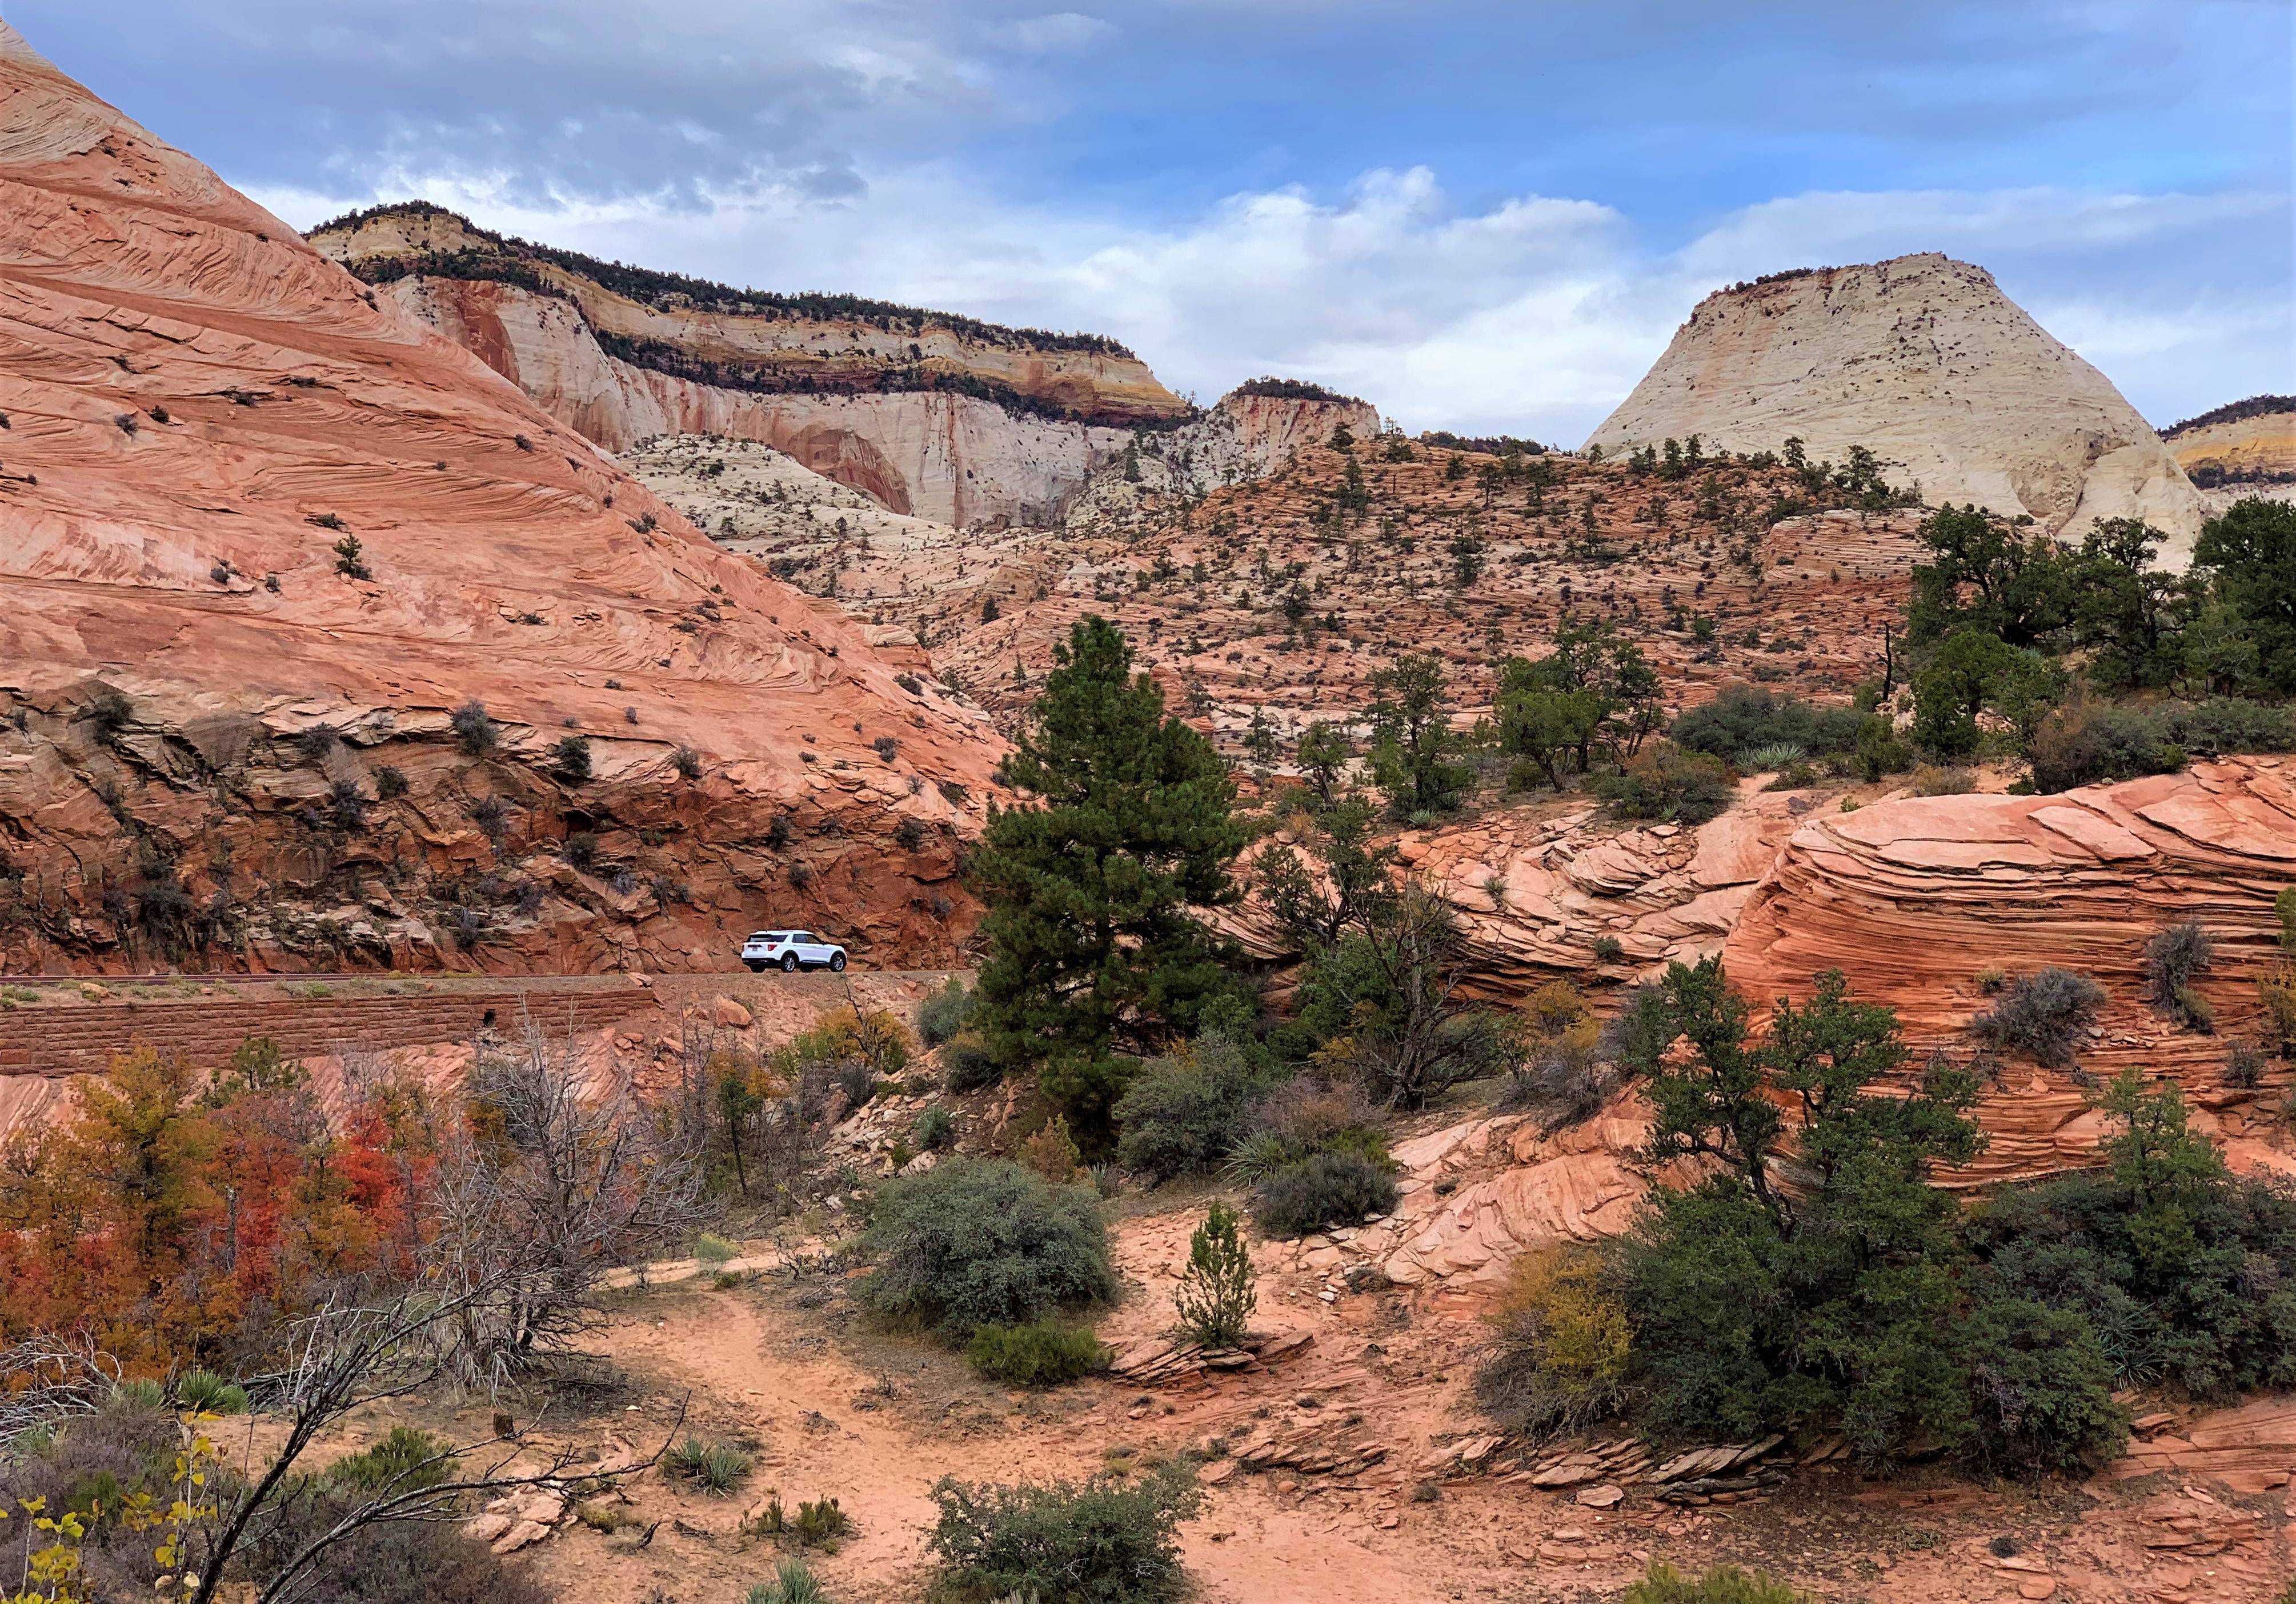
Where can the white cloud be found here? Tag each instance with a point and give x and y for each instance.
(1061, 32)
(1532, 315)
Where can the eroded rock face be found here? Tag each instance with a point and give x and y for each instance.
(228, 735)
(1918, 898)
(941, 416)
(2247, 448)
(1924, 359)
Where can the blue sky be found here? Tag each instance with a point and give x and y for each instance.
(1482, 217)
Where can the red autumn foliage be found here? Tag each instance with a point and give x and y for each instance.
(173, 1211)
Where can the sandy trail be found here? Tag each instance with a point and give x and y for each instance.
(830, 1408)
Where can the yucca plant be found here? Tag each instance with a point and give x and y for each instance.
(209, 1393)
(722, 1470)
(138, 1394)
(1257, 1157)
(793, 1582)
(1770, 757)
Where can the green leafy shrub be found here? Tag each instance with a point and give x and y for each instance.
(1184, 1113)
(571, 758)
(1105, 1541)
(2187, 1273)
(473, 729)
(2093, 741)
(936, 1128)
(968, 1062)
(2040, 1386)
(1723, 1584)
(1315, 1194)
(1215, 1296)
(943, 1012)
(1743, 719)
(1664, 782)
(977, 1242)
(1043, 1352)
(405, 1462)
(2042, 1014)
(1880, 752)
(1609, 950)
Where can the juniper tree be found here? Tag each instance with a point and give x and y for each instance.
(1415, 752)
(1829, 1302)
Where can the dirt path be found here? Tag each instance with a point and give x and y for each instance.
(829, 1409)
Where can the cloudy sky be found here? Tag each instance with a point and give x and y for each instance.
(1482, 217)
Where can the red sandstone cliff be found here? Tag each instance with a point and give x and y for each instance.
(198, 410)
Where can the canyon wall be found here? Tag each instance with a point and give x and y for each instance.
(266, 533)
(932, 414)
(2245, 450)
(1922, 359)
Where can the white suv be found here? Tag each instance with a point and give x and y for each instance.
(792, 949)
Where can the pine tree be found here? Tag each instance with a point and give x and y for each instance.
(1215, 1296)
(1127, 827)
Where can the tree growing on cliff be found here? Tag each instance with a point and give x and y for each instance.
(1127, 828)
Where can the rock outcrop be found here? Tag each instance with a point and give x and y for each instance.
(931, 414)
(1919, 898)
(1255, 429)
(2247, 448)
(1922, 359)
(266, 533)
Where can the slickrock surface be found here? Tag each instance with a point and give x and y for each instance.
(1917, 897)
(1924, 359)
(220, 749)
(942, 417)
(1510, 1188)
(1535, 894)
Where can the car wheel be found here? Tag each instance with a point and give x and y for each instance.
(837, 962)
(789, 963)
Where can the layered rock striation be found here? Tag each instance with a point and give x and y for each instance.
(1925, 901)
(931, 414)
(2247, 448)
(266, 533)
(1923, 360)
